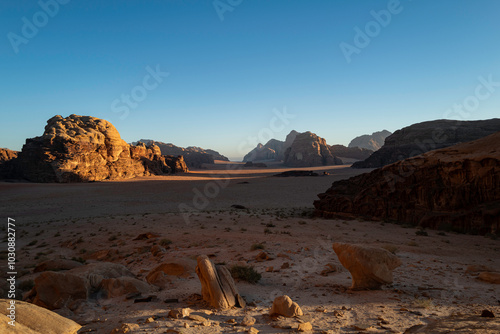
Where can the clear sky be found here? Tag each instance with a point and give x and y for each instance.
(341, 68)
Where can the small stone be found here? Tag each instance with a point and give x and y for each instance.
(269, 269)
(178, 313)
(320, 309)
(487, 314)
(252, 330)
(231, 321)
(262, 256)
(150, 320)
(283, 305)
(206, 323)
(186, 325)
(306, 326)
(248, 321)
(195, 317)
(285, 265)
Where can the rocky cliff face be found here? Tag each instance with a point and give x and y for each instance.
(454, 188)
(84, 148)
(273, 150)
(193, 156)
(370, 142)
(309, 150)
(423, 137)
(350, 152)
(7, 162)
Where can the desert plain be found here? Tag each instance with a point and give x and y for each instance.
(435, 290)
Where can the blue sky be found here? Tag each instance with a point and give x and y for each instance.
(228, 78)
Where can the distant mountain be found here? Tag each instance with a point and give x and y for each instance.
(426, 136)
(371, 142)
(273, 150)
(193, 156)
(308, 150)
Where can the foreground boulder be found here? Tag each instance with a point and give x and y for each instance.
(370, 267)
(283, 305)
(426, 136)
(31, 319)
(84, 148)
(217, 285)
(455, 188)
(308, 150)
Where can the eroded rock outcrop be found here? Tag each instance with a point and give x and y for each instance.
(350, 152)
(455, 188)
(217, 285)
(371, 142)
(84, 148)
(7, 162)
(309, 150)
(370, 267)
(193, 156)
(426, 136)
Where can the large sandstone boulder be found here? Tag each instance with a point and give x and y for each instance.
(217, 285)
(370, 267)
(454, 188)
(84, 148)
(426, 136)
(31, 319)
(371, 142)
(309, 150)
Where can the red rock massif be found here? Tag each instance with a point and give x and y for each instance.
(84, 148)
(309, 150)
(455, 188)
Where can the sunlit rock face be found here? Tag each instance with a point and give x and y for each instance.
(456, 188)
(308, 150)
(85, 148)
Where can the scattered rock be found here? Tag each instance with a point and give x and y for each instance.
(125, 328)
(248, 321)
(329, 268)
(262, 256)
(285, 265)
(179, 313)
(196, 317)
(305, 327)
(370, 267)
(283, 305)
(31, 319)
(145, 236)
(252, 330)
(157, 250)
(487, 314)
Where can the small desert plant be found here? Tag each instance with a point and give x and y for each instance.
(421, 233)
(245, 273)
(257, 246)
(423, 303)
(165, 242)
(391, 248)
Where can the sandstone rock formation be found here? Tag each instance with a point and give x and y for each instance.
(350, 152)
(455, 188)
(426, 136)
(273, 150)
(309, 150)
(193, 156)
(371, 142)
(7, 162)
(283, 305)
(31, 319)
(84, 148)
(370, 267)
(217, 285)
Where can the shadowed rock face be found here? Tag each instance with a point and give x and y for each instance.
(84, 148)
(309, 150)
(193, 156)
(426, 136)
(453, 188)
(371, 142)
(350, 152)
(7, 165)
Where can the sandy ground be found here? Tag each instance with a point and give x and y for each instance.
(76, 220)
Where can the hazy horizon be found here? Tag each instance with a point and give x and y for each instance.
(197, 74)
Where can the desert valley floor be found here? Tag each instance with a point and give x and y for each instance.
(436, 285)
